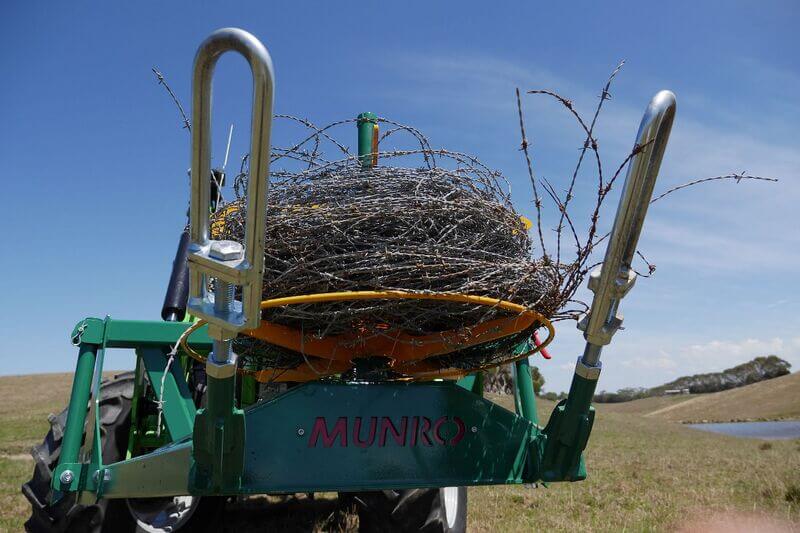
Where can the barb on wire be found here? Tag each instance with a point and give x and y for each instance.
(737, 177)
(651, 268)
(160, 402)
(537, 202)
(161, 81)
(590, 141)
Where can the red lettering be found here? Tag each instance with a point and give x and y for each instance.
(321, 429)
(437, 427)
(459, 433)
(373, 423)
(423, 431)
(398, 436)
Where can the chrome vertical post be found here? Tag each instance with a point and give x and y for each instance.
(612, 281)
(230, 264)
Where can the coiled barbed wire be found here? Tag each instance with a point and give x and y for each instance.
(336, 226)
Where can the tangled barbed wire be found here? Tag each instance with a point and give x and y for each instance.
(346, 228)
(444, 226)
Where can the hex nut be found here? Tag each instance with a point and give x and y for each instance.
(66, 477)
(226, 250)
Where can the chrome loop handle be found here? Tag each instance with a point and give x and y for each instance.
(246, 267)
(616, 277)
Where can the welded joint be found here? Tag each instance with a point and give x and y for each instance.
(590, 372)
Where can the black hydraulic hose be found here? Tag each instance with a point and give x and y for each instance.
(174, 308)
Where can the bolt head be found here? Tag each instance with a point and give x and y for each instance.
(474, 429)
(226, 250)
(301, 432)
(66, 477)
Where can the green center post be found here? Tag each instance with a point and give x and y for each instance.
(367, 142)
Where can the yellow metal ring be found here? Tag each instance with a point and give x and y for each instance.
(389, 295)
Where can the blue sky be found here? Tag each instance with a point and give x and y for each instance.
(94, 160)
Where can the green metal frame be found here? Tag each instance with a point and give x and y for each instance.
(319, 436)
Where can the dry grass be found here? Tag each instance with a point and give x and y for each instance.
(645, 474)
(772, 399)
(648, 474)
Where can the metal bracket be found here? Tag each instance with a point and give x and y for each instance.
(618, 290)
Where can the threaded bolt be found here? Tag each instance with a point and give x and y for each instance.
(66, 477)
(223, 296)
(223, 303)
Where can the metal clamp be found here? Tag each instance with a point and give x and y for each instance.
(620, 287)
(229, 264)
(616, 277)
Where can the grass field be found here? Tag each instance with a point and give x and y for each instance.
(646, 473)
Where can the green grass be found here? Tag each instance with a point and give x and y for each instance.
(645, 474)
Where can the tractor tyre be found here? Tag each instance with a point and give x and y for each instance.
(112, 515)
(426, 510)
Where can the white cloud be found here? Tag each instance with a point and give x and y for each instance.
(772, 305)
(661, 362)
(655, 366)
(717, 246)
(708, 356)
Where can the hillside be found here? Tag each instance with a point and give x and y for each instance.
(772, 399)
(759, 369)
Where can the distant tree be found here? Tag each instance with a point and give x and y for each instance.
(500, 380)
(758, 369)
(538, 380)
